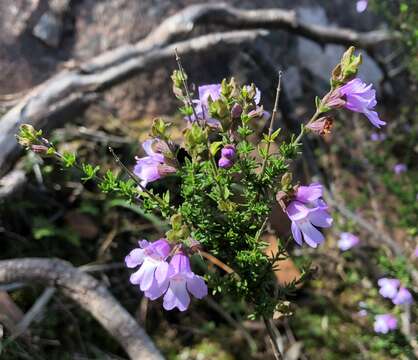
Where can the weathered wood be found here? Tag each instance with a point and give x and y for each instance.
(90, 294)
(60, 97)
(69, 91)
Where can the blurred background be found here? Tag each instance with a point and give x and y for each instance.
(95, 73)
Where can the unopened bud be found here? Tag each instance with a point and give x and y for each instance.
(39, 149)
(236, 111)
(286, 179)
(321, 126)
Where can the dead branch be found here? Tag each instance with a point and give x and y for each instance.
(58, 98)
(76, 88)
(90, 294)
(185, 21)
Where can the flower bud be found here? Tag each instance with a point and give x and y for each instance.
(39, 149)
(228, 151)
(225, 163)
(236, 111)
(321, 126)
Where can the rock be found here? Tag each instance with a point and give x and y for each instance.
(49, 29)
(292, 83)
(14, 17)
(321, 60)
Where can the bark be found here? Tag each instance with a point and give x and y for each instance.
(90, 294)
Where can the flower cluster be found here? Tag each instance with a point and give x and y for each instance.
(391, 289)
(384, 323)
(156, 276)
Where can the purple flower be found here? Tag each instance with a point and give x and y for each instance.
(347, 241)
(385, 323)
(155, 165)
(388, 287)
(362, 313)
(361, 98)
(181, 282)
(228, 153)
(399, 168)
(416, 249)
(306, 212)
(361, 5)
(403, 297)
(201, 105)
(377, 136)
(152, 275)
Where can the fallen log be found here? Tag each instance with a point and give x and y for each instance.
(90, 294)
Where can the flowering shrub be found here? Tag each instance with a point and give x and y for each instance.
(226, 187)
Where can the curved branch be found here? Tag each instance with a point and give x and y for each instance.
(74, 89)
(90, 294)
(58, 98)
(185, 21)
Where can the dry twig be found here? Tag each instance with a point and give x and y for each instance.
(90, 294)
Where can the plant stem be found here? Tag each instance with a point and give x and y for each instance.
(214, 260)
(271, 330)
(186, 87)
(273, 117)
(311, 120)
(136, 180)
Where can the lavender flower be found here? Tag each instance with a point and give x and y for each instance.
(152, 276)
(227, 156)
(385, 323)
(212, 91)
(399, 169)
(388, 287)
(377, 136)
(155, 165)
(361, 5)
(361, 98)
(347, 241)
(403, 297)
(182, 281)
(306, 212)
(416, 249)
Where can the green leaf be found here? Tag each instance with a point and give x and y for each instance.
(214, 147)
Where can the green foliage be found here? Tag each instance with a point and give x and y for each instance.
(89, 171)
(403, 17)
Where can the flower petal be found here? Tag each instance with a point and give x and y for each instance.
(176, 296)
(297, 235)
(135, 258)
(320, 218)
(311, 235)
(197, 286)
